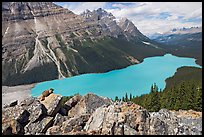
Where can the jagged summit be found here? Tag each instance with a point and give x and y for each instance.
(97, 14)
(122, 27)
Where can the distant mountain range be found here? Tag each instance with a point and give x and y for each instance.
(43, 41)
(182, 42)
(174, 33)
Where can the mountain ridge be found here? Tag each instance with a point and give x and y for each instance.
(39, 42)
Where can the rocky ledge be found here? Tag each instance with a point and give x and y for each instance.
(94, 115)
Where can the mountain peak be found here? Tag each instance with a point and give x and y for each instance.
(100, 10)
(97, 14)
(26, 10)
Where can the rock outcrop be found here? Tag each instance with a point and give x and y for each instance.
(94, 115)
(118, 119)
(69, 104)
(52, 104)
(166, 122)
(88, 104)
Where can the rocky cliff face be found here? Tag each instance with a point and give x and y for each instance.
(94, 115)
(39, 37)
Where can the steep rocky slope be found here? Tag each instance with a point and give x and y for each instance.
(94, 115)
(43, 41)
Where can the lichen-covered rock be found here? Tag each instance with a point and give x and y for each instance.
(95, 122)
(12, 127)
(76, 123)
(59, 119)
(187, 113)
(73, 125)
(88, 104)
(52, 104)
(27, 101)
(71, 103)
(13, 120)
(171, 123)
(118, 119)
(129, 131)
(54, 130)
(36, 110)
(39, 126)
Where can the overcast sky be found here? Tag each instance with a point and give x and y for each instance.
(148, 17)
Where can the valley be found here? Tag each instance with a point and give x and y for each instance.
(103, 70)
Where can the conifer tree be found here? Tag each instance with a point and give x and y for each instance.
(116, 98)
(198, 99)
(126, 97)
(130, 97)
(123, 99)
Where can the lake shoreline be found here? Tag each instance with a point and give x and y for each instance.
(11, 93)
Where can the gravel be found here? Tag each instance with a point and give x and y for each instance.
(10, 94)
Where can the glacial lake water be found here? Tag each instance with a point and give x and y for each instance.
(135, 79)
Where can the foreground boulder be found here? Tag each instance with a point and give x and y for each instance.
(88, 104)
(118, 119)
(52, 104)
(39, 127)
(59, 119)
(166, 122)
(36, 110)
(13, 119)
(69, 104)
(74, 124)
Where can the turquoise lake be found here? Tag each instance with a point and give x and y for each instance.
(135, 79)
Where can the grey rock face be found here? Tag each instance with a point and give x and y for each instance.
(130, 30)
(27, 101)
(36, 110)
(88, 104)
(54, 130)
(70, 126)
(76, 123)
(38, 127)
(118, 120)
(59, 119)
(105, 19)
(166, 122)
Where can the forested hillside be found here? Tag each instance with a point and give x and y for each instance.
(183, 91)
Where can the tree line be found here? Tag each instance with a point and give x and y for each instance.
(185, 95)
